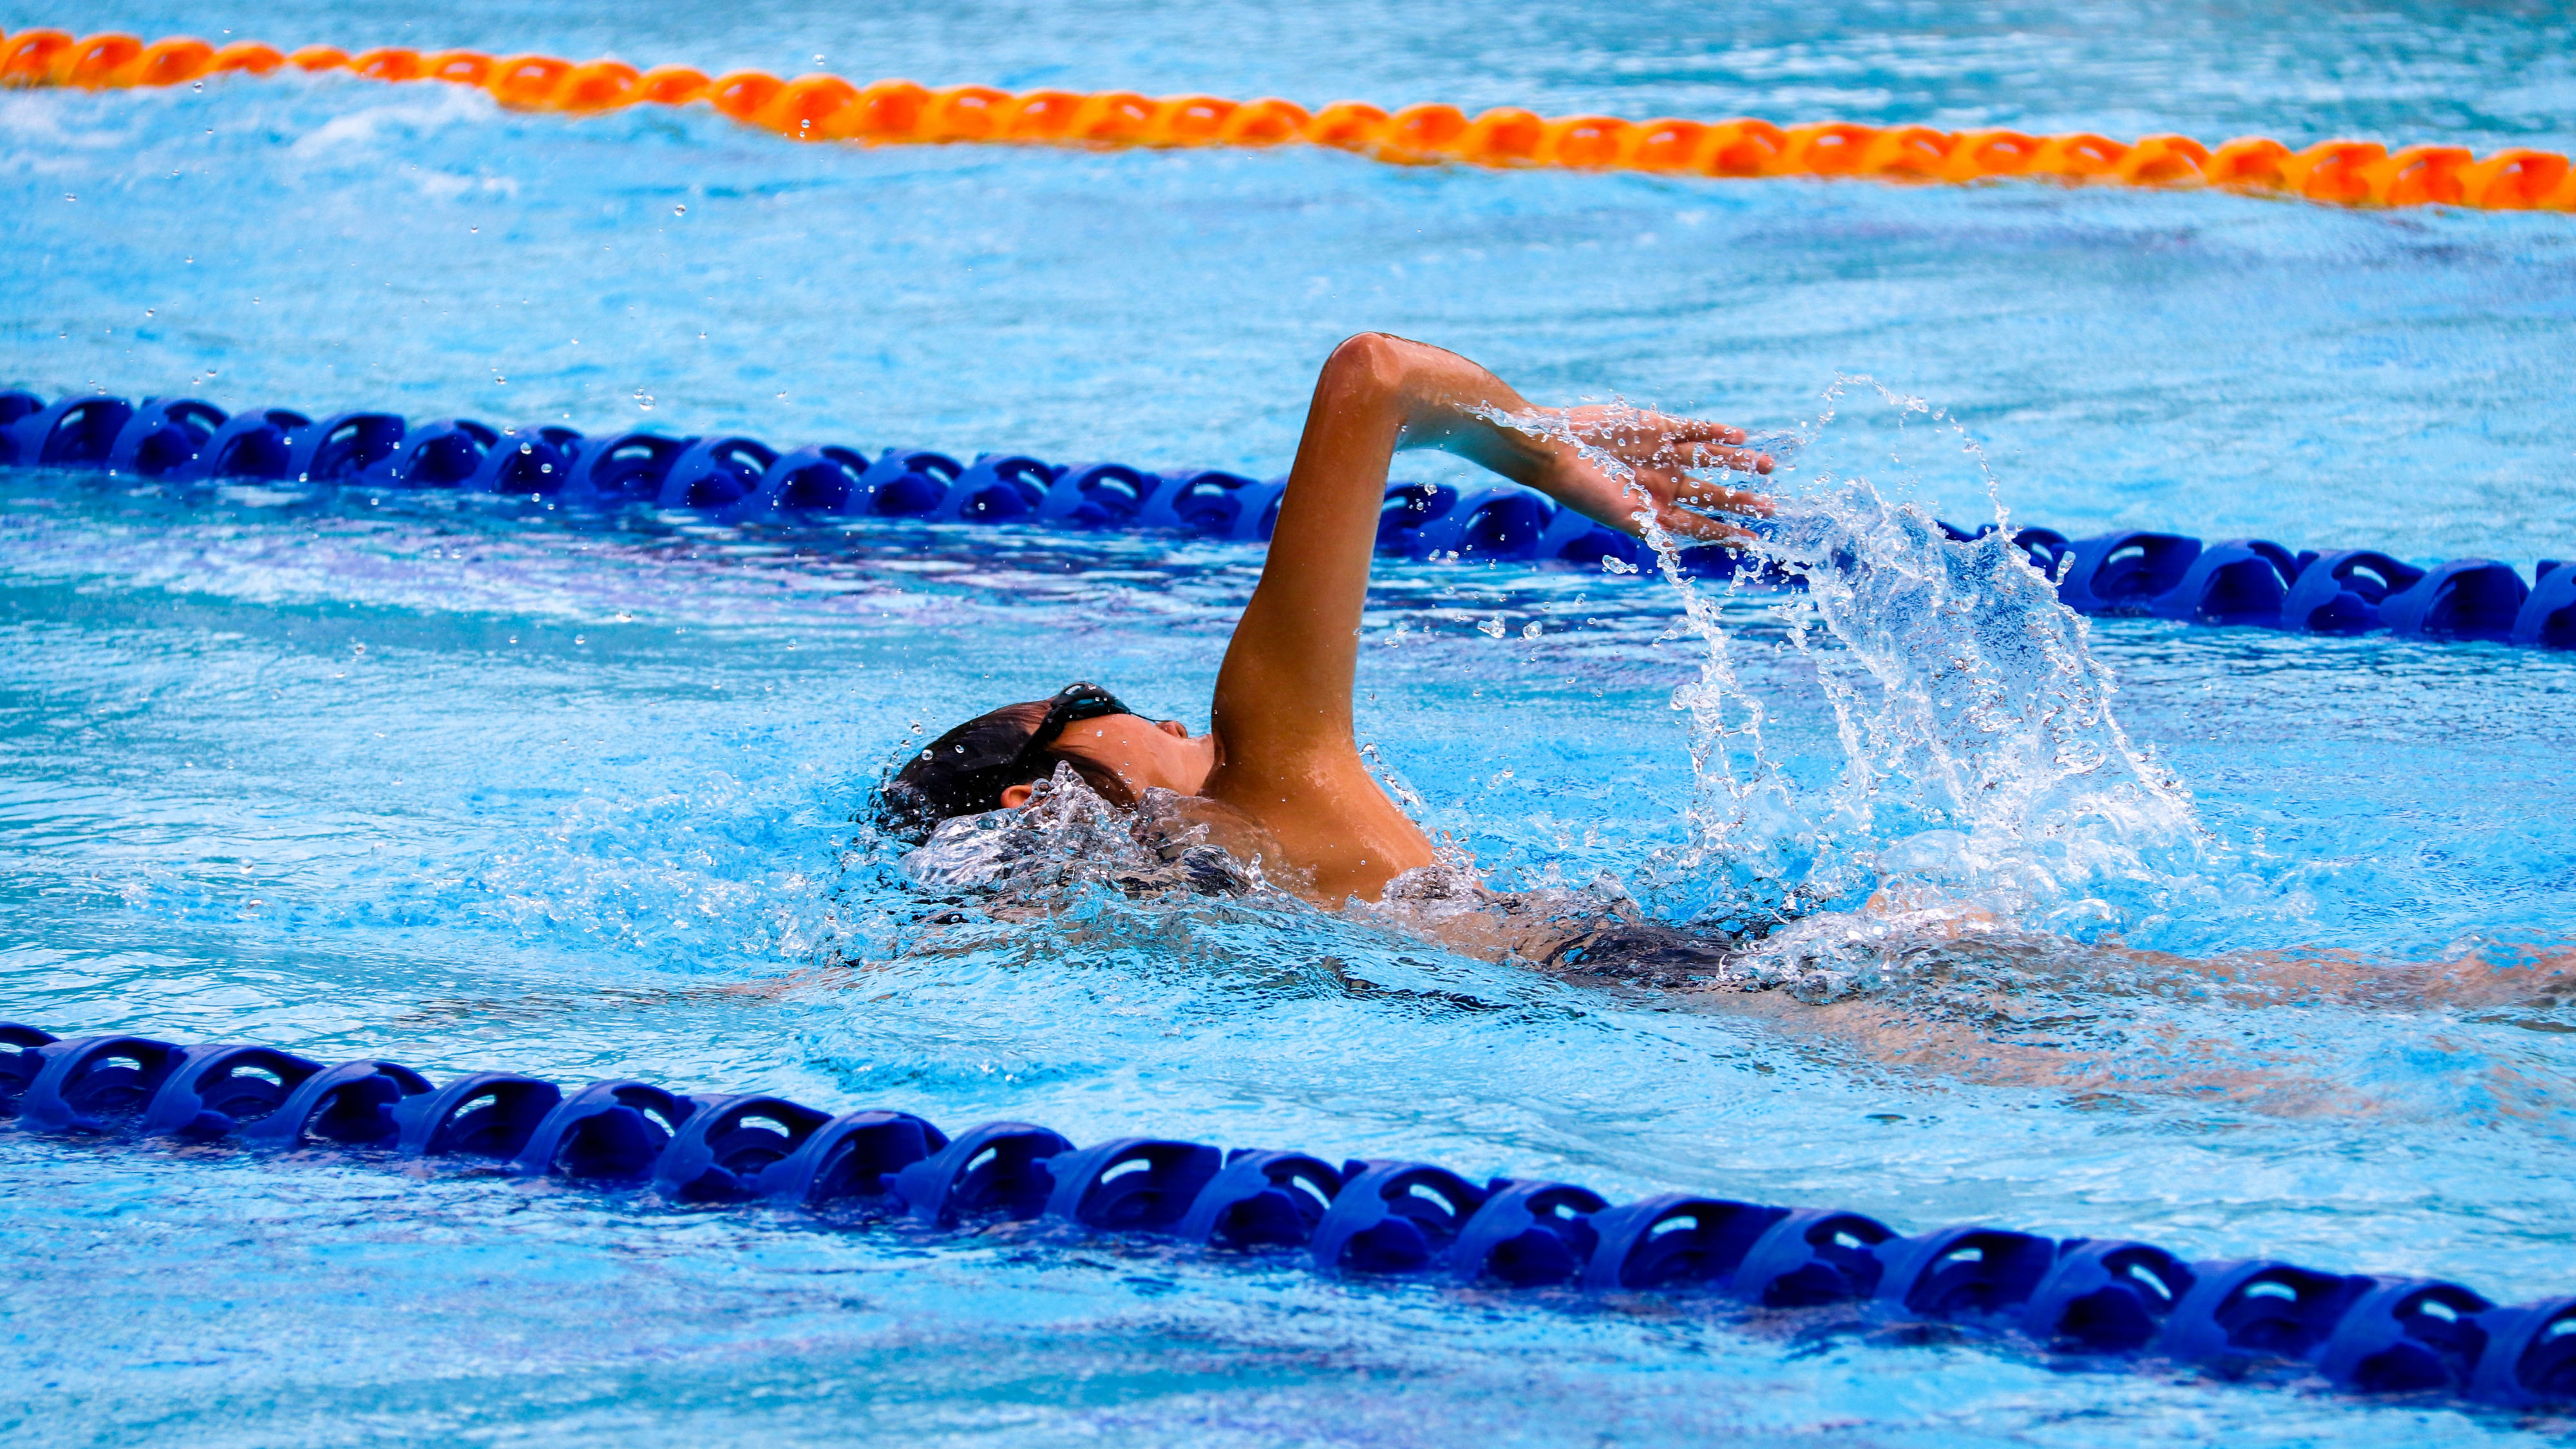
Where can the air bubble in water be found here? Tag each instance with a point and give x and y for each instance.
(680, 210)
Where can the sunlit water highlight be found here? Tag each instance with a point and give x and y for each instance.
(476, 787)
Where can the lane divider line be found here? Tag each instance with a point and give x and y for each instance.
(830, 108)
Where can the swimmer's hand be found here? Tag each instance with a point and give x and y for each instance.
(1618, 464)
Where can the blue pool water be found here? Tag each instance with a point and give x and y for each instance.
(477, 788)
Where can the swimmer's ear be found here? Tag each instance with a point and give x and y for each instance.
(1015, 796)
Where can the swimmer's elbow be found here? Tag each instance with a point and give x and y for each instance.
(1367, 365)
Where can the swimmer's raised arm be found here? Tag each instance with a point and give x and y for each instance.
(1287, 756)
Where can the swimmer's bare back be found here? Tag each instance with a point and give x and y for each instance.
(1280, 765)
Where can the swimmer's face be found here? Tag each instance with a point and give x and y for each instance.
(1142, 754)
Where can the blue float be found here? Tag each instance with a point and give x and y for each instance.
(164, 436)
(716, 473)
(995, 1170)
(2124, 573)
(905, 483)
(95, 1084)
(851, 1161)
(2469, 598)
(344, 448)
(1675, 1240)
(1966, 1274)
(487, 1114)
(1811, 1257)
(1392, 1217)
(1526, 1234)
(213, 1091)
(2106, 1296)
(351, 1105)
(2548, 617)
(1262, 1199)
(607, 1131)
(727, 1145)
(2241, 581)
(2242, 1313)
(2407, 1335)
(19, 1065)
(1131, 1184)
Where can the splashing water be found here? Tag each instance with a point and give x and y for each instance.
(1983, 773)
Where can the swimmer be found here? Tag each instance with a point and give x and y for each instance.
(1278, 780)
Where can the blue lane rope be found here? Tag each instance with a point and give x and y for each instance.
(2088, 1298)
(2243, 581)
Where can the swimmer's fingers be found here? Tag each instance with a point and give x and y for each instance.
(1700, 528)
(1723, 500)
(1659, 440)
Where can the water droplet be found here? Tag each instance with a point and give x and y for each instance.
(473, 229)
(680, 210)
(1492, 628)
(1530, 630)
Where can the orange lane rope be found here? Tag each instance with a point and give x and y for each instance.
(828, 108)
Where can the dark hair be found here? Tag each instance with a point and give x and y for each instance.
(965, 771)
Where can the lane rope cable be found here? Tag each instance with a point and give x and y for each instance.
(735, 479)
(830, 108)
(2097, 1301)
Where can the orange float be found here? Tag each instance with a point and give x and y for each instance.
(1587, 141)
(1980, 154)
(1835, 149)
(743, 93)
(599, 85)
(965, 113)
(169, 62)
(1112, 117)
(1041, 115)
(1919, 152)
(2250, 161)
(92, 63)
(1269, 121)
(2163, 161)
(2333, 170)
(2419, 176)
(315, 58)
(671, 85)
(2515, 180)
(457, 67)
(526, 82)
(823, 107)
(1347, 125)
(387, 65)
(246, 57)
(1190, 121)
(1423, 132)
(889, 110)
(1504, 136)
(1742, 147)
(2079, 157)
(1668, 144)
(28, 57)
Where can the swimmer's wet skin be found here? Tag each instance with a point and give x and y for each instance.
(1278, 778)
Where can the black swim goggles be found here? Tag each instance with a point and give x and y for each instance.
(1069, 706)
(965, 771)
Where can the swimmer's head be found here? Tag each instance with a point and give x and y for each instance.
(992, 761)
